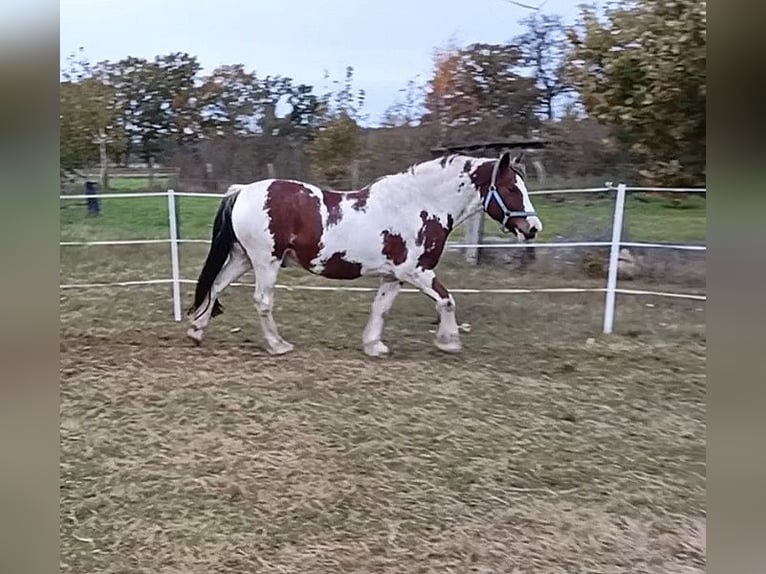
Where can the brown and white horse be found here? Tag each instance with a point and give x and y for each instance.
(396, 229)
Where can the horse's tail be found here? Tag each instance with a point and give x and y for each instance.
(222, 241)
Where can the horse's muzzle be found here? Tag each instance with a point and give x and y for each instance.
(522, 227)
(531, 233)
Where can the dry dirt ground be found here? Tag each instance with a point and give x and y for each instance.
(544, 447)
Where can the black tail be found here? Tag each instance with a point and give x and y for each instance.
(222, 241)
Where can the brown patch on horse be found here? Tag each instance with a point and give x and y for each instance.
(295, 221)
(481, 177)
(338, 267)
(394, 247)
(332, 201)
(359, 199)
(432, 235)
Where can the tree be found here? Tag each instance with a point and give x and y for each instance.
(543, 49)
(228, 101)
(305, 115)
(641, 69)
(479, 86)
(447, 99)
(338, 142)
(408, 110)
(156, 100)
(177, 75)
(87, 110)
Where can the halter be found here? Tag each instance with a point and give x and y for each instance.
(492, 193)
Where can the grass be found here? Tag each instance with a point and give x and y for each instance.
(543, 447)
(575, 218)
(123, 184)
(646, 218)
(137, 218)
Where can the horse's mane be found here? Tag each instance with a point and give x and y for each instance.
(414, 168)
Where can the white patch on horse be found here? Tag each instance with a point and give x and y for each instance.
(534, 221)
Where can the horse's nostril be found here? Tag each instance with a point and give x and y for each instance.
(532, 232)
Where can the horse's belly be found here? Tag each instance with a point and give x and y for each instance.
(339, 267)
(349, 253)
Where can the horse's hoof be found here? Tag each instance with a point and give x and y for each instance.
(195, 335)
(452, 347)
(376, 349)
(280, 349)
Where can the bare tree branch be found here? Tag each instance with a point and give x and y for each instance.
(528, 6)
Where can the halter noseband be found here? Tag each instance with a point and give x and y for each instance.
(492, 193)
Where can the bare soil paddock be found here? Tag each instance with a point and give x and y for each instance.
(544, 447)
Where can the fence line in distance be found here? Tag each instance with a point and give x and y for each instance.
(610, 290)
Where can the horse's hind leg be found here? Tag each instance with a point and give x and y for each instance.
(236, 266)
(265, 279)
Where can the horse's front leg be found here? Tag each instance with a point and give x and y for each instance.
(447, 334)
(384, 299)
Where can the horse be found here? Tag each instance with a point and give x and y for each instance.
(395, 228)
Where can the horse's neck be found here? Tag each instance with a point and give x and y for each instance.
(440, 186)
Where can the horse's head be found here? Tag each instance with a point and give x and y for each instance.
(504, 195)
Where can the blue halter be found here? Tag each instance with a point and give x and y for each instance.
(493, 194)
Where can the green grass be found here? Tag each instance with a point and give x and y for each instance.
(646, 218)
(582, 217)
(137, 218)
(122, 184)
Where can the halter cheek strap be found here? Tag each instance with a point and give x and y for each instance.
(493, 194)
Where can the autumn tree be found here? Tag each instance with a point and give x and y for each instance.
(480, 86)
(448, 101)
(641, 69)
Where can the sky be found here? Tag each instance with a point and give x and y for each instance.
(388, 42)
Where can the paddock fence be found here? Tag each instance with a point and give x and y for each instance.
(610, 289)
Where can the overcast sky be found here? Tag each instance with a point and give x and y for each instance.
(388, 42)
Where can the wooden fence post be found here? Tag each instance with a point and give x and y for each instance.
(354, 174)
(474, 232)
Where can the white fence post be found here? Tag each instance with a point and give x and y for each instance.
(614, 259)
(176, 273)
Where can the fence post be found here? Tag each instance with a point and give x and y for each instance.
(473, 235)
(176, 274)
(354, 174)
(614, 258)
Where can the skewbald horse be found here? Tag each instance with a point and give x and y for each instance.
(395, 229)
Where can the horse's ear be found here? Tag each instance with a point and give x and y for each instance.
(504, 162)
(519, 158)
